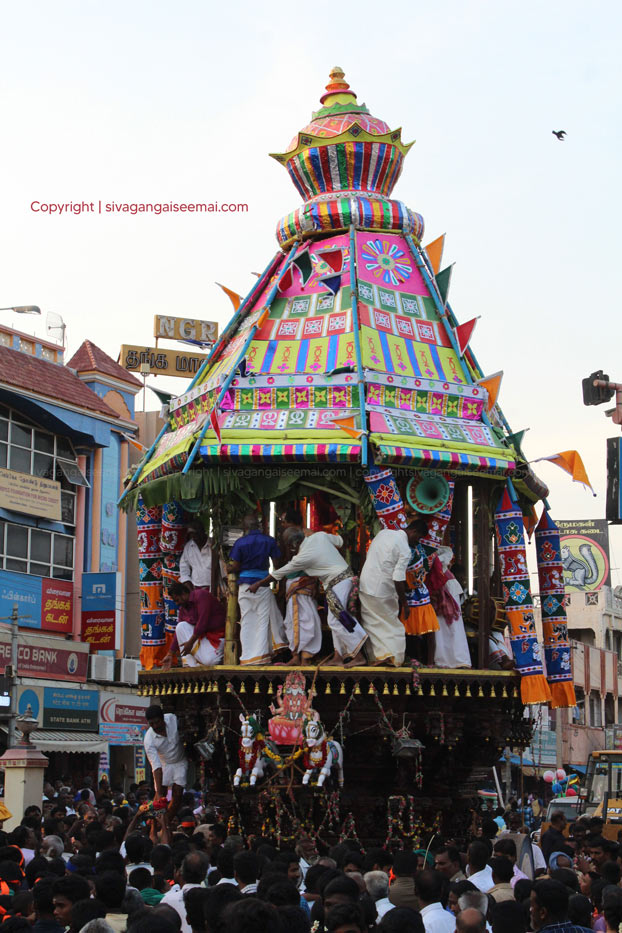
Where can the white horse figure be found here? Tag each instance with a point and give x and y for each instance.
(250, 753)
(320, 753)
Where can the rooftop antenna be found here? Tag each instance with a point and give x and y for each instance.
(55, 327)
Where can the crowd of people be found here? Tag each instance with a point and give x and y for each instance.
(404, 591)
(93, 861)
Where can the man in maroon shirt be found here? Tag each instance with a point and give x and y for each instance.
(200, 630)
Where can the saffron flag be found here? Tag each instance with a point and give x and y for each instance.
(492, 384)
(348, 424)
(236, 300)
(263, 317)
(571, 462)
(132, 440)
(435, 252)
(213, 417)
(463, 333)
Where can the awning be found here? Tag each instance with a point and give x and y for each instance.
(83, 743)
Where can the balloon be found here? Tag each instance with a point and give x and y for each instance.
(557, 788)
(571, 792)
(548, 776)
(560, 774)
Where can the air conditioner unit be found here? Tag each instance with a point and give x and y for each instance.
(102, 667)
(127, 670)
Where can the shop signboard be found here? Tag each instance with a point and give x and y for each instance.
(99, 629)
(25, 591)
(122, 718)
(30, 698)
(139, 764)
(48, 657)
(70, 709)
(30, 495)
(100, 593)
(161, 362)
(585, 554)
(57, 606)
(42, 603)
(183, 328)
(543, 748)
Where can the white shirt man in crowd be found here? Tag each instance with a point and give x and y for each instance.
(192, 875)
(164, 749)
(382, 590)
(195, 563)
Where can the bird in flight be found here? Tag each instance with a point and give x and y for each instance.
(560, 134)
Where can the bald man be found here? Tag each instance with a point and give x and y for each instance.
(470, 921)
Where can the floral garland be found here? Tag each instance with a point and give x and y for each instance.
(416, 666)
(312, 760)
(348, 831)
(248, 755)
(397, 829)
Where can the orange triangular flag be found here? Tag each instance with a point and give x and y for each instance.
(530, 521)
(348, 424)
(492, 384)
(236, 300)
(571, 462)
(435, 252)
(263, 317)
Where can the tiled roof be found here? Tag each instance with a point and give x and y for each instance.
(89, 358)
(58, 383)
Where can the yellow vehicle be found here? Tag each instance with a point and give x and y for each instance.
(603, 790)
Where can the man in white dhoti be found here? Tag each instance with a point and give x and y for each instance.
(303, 626)
(451, 648)
(262, 632)
(165, 751)
(317, 556)
(382, 591)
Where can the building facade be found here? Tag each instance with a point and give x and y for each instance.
(65, 436)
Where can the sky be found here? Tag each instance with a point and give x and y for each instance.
(144, 100)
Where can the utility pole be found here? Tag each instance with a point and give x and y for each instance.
(14, 653)
(11, 672)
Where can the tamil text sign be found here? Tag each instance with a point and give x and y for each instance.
(30, 495)
(70, 709)
(585, 554)
(122, 718)
(42, 603)
(161, 362)
(100, 593)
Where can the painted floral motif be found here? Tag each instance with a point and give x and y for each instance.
(385, 493)
(387, 261)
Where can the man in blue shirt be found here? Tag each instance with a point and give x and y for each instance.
(262, 632)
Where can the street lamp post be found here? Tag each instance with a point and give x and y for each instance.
(23, 309)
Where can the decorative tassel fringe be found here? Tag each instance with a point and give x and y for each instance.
(534, 689)
(563, 695)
